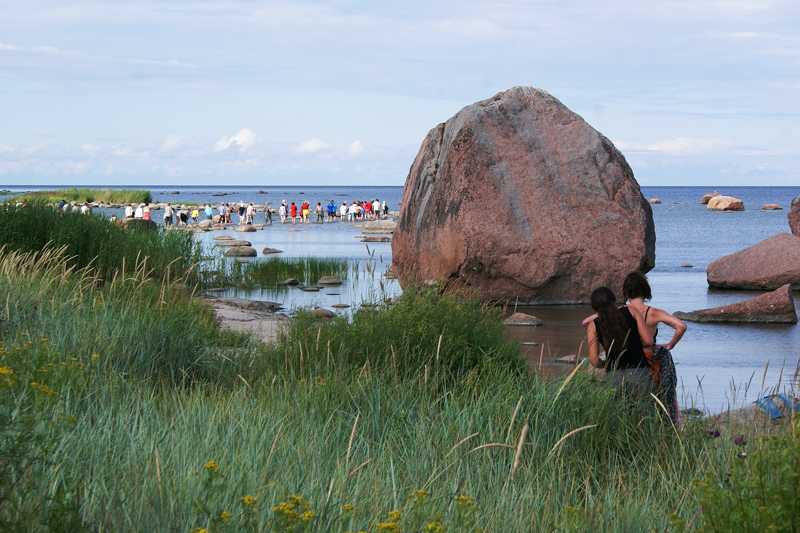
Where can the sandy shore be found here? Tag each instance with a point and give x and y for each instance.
(249, 316)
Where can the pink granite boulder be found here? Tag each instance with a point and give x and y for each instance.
(770, 264)
(794, 216)
(725, 203)
(517, 197)
(707, 197)
(776, 306)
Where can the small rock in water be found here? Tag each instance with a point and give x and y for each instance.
(771, 207)
(291, 281)
(267, 251)
(522, 319)
(309, 288)
(223, 238)
(340, 306)
(329, 280)
(321, 312)
(687, 265)
(293, 229)
(655, 201)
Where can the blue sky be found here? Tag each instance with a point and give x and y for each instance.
(343, 92)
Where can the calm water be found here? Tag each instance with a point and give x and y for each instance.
(717, 364)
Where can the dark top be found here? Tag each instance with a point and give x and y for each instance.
(633, 355)
(645, 319)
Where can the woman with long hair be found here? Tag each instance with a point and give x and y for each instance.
(623, 334)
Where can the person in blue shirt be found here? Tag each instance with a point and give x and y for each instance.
(331, 210)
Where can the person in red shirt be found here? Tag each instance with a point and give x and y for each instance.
(293, 212)
(368, 210)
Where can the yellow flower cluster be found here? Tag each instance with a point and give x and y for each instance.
(388, 526)
(434, 527)
(248, 500)
(347, 508)
(295, 509)
(44, 389)
(212, 467)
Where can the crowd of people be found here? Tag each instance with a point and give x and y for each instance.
(352, 212)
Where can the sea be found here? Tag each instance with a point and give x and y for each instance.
(719, 366)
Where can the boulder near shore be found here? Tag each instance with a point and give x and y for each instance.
(770, 264)
(773, 307)
(517, 197)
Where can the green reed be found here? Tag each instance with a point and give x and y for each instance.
(91, 240)
(270, 271)
(109, 196)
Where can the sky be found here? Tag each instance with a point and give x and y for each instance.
(150, 93)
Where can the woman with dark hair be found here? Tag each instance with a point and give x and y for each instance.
(636, 289)
(623, 334)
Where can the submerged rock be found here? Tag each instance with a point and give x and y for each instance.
(776, 306)
(379, 226)
(518, 197)
(329, 280)
(771, 207)
(767, 265)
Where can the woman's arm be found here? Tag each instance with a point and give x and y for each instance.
(677, 324)
(641, 325)
(594, 349)
(588, 319)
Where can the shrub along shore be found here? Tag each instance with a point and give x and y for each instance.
(108, 196)
(124, 408)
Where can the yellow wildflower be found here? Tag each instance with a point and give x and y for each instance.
(435, 527)
(95, 356)
(308, 515)
(421, 494)
(387, 526)
(395, 515)
(211, 466)
(225, 516)
(248, 500)
(347, 508)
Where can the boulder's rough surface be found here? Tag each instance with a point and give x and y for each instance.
(770, 264)
(522, 319)
(267, 251)
(379, 226)
(206, 224)
(725, 203)
(519, 198)
(329, 280)
(794, 216)
(776, 306)
(244, 228)
(223, 238)
(708, 197)
(137, 223)
(321, 312)
(771, 207)
(241, 251)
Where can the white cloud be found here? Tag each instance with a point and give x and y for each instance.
(312, 145)
(679, 146)
(9, 47)
(356, 148)
(175, 143)
(90, 149)
(246, 139)
(4, 148)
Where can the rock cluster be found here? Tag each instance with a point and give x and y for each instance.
(517, 197)
(776, 306)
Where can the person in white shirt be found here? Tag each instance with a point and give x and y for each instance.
(129, 211)
(139, 213)
(282, 212)
(249, 214)
(352, 211)
(376, 209)
(343, 212)
(168, 212)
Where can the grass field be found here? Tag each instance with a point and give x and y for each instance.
(123, 408)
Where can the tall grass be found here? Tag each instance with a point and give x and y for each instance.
(123, 409)
(92, 241)
(109, 196)
(307, 270)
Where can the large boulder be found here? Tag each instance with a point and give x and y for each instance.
(776, 306)
(725, 203)
(794, 216)
(234, 243)
(707, 197)
(519, 198)
(770, 264)
(241, 251)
